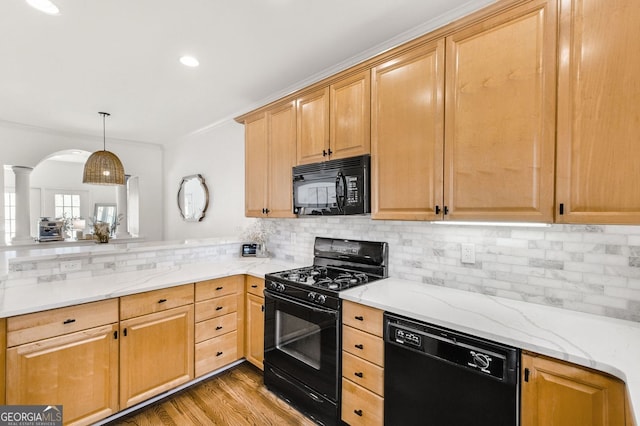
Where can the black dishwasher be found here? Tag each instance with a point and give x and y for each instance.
(438, 377)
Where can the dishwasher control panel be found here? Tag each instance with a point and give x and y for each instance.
(405, 337)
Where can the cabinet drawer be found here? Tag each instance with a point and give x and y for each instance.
(361, 406)
(155, 301)
(219, 287)
(363, 373)
(363, 345)
(255, 286)
(362, 317)
(215, 327)
(216, 307)
(56, 322)
(215, 353)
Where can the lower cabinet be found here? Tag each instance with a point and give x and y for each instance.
(362, 365)
(156, 342)
(219, 323)
(559, 393)
(66, 356)
(254, 347)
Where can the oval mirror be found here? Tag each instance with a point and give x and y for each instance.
(193, 198)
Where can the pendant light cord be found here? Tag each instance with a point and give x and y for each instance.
(104, 134)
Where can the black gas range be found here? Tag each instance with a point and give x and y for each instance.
(303, 323)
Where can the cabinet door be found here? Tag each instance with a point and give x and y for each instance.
(349, 115)
(558, 393)
(156, 354)
(500, 115)
(255, 160)
(255, 330)
(3, 353)
(282, 157)
(77, 370)
(313, 127)
(598, 114)
(407, 135)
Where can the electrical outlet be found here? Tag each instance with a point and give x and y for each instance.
(467, 253)
(70, 266)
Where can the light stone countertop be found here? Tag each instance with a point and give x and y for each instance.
(602, 343)
(21, 299)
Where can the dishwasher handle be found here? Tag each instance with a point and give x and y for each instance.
(491, 359)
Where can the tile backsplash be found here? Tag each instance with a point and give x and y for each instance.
(588, 268)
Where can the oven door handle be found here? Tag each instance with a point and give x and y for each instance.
(333, 312)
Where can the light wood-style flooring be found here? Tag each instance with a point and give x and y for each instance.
(235, 397)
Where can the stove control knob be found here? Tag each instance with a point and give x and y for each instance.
(311, 296)
(321, 299)
(280, 287)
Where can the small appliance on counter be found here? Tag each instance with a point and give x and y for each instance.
(50, 230)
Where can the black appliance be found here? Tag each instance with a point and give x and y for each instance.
(302, 323)
(335, 187)
(441, 377)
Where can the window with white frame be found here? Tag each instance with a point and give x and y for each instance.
(9, 216)
(67, 205)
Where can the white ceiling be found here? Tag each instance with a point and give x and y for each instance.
(121, 56)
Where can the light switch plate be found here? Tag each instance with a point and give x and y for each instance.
(467, 253)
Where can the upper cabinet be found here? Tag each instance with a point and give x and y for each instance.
(598, 115)
(334, 121)
(406, 134)
(500, 117)
(495, 158)
(270, 154)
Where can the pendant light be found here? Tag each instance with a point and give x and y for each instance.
(103, 167)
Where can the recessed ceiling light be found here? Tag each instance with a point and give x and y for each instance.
(189, 61)
(45, 6)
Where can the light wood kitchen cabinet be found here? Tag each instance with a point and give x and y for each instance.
(598, 115)
(157, 342)
(500, 117)
(558, 393)
(3, 355)
(219, 319)
(270, 153)
(254, 347)
(362, 365)
(334, 122)
(66, 356)
(407, 114)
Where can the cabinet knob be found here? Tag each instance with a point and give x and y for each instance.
(162, 300)
(359, 318)
(69, 321)
(358, 374)
(218, 353)
(219, 288)
(359, 346)
(324, 153)
(218, 308)
(330, 152)
(358, 412)
(219, 327)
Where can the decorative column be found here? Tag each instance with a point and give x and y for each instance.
(121, 208)
(23, 205)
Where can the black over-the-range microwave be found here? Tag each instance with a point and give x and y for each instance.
(334, 187)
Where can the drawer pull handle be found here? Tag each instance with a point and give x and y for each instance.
(69, 321)
(218, 353)
(254, 286)
(358, 412)
(219, 288)
(219, 327)
(162, 300)
(359, 318)
(218, 308)
(359, 346)
(359, 374)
